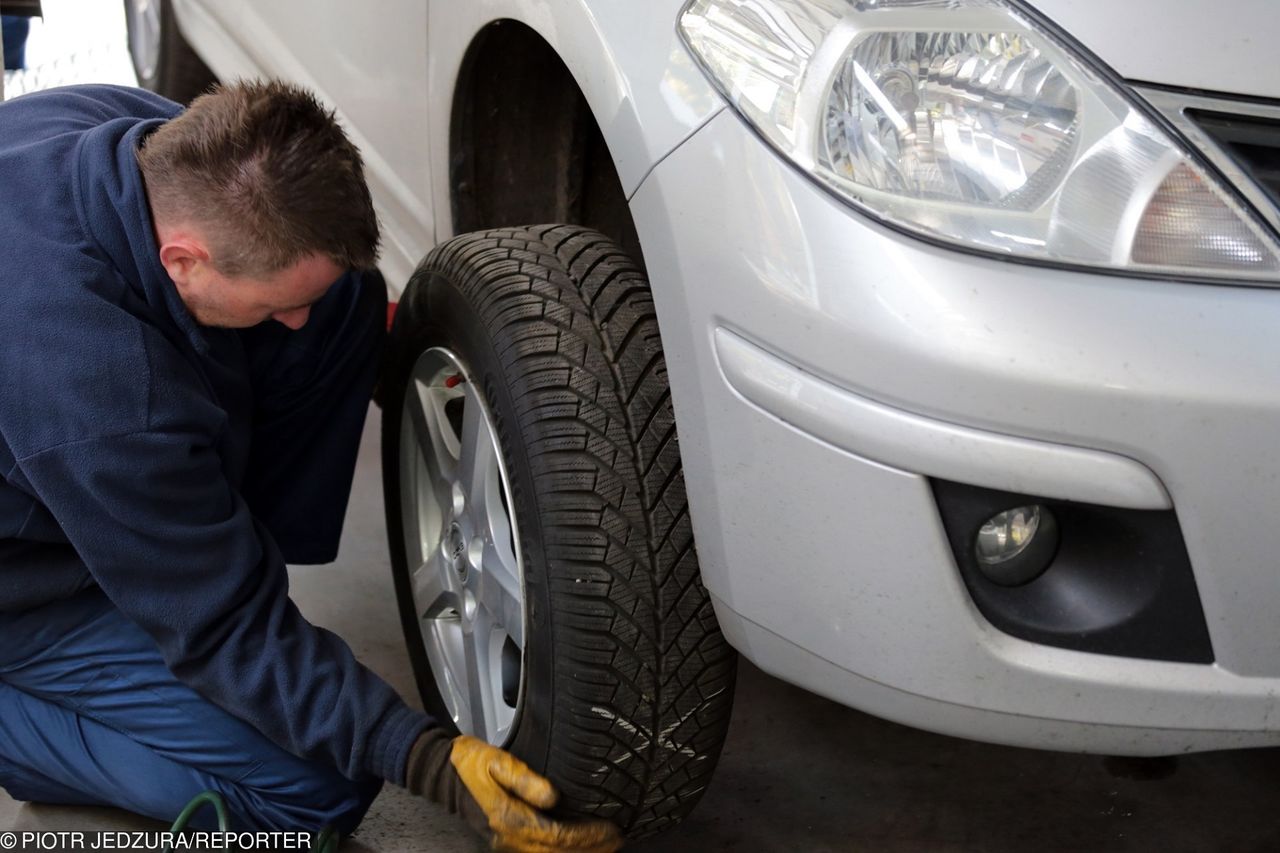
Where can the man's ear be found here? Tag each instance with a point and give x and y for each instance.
(180, 255)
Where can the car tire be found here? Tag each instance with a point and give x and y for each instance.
(162, 59)
(626, 682)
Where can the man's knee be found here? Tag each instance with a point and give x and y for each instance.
(350, 808)
(325, 798)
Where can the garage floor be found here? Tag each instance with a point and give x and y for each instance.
(800, 773)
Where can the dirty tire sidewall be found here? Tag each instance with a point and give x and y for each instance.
(628, 682)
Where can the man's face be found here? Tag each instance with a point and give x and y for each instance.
(237, 302)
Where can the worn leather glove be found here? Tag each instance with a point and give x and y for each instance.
(499, 796)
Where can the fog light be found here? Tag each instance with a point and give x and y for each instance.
(1016, 546)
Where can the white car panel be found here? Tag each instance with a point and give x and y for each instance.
(845, 558)
(1222, 46)
(199, 16)
(643, 88)
(390, 70)
(900, 439)
(363, 65)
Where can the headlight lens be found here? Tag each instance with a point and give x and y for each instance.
(961, 121)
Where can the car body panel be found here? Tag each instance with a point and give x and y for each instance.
(379, 69)
(844, 557)
(1223, 46)
(642, 86)
(354, 63)
(901, 439)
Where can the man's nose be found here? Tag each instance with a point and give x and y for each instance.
(295, 319)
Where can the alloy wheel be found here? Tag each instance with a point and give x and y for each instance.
(461, 541)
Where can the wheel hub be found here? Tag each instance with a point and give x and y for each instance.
(456, 550)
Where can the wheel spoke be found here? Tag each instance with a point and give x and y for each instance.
(413, 478)
(500, 592)
(475, 644)
(476, 461)
(433, 431)
(435, 589)
(450, 658)
(495, 525)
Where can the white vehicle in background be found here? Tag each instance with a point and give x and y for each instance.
(967, 314)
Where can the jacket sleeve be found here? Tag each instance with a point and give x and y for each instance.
(174, 546)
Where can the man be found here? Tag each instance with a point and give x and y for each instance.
(187, 349)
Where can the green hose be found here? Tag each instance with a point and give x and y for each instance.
(326, 841)
(219, 806)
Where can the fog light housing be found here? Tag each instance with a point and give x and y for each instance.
(1015, 546)
(1114, 581)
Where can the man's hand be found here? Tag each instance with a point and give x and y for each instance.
(500, 796)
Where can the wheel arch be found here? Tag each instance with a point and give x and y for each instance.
(524, 145)
(557, 114)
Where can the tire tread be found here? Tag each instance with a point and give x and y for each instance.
(644, 679)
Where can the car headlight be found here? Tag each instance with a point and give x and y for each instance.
(963, 121)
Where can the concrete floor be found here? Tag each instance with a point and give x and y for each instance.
(800, 773)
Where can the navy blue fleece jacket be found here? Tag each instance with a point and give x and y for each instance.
(124, 437)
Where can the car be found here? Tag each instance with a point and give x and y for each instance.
(964, 310)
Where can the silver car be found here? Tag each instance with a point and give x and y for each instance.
(964, 310)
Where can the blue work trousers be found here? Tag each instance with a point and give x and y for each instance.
(90, 714)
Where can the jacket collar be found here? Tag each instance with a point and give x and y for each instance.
(113, 208)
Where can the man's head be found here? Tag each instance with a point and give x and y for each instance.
(259, 203)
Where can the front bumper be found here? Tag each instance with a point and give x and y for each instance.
(823, 366)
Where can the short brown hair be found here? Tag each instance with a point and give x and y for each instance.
(268, 174)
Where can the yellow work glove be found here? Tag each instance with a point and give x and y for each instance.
(499, 796)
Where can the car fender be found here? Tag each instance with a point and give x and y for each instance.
(642, 86)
